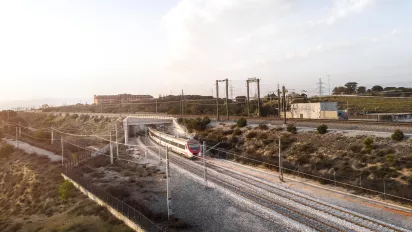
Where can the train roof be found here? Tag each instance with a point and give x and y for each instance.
(192, 141)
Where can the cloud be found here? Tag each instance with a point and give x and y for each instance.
(342, 9)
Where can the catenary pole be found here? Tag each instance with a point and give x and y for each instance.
(280, 161)
(111, 148)
(169, 196)
(117, 142)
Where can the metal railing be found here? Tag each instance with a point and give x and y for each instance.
(125, 209)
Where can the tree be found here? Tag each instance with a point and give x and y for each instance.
(361, 90)
(377, 88)
(351, 87)
(339, 90)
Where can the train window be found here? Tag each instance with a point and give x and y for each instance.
(193, 146)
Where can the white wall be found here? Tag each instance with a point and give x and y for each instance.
(312, 110)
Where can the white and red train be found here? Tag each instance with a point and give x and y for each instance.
(189, 148)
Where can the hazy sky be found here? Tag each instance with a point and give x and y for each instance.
(77, 48)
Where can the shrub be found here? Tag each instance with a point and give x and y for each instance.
(390, 159)
(367, 142)
(1, 134)
(322, 129)
(263, 126)
(199, 124)
(355, 148)
(398, 135)
(237, 131)
(6, 150)
(180, 120)
(74, 116)
(241, 122)
(66, 190)
(251, 134)
(42, 135)
(291, 128)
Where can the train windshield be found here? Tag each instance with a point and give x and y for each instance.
(193, 146)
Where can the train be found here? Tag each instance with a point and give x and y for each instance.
(189, 148)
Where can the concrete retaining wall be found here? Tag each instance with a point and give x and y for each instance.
(113, 211)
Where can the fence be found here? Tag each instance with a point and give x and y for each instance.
(125, 209)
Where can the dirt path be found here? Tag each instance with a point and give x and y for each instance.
(31, 149)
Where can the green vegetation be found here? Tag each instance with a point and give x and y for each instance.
(398, 135)
(291, 128)
(66, 190)
(322, 129)
(198, 124)
(6, 150)
(241, 122)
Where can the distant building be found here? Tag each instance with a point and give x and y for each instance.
(317, 110)
(119, 98)
(45, 106)
(241, 99)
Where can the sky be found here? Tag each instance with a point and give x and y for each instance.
(69, 50)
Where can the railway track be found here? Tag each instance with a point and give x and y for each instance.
(338, 212)
(308, 211)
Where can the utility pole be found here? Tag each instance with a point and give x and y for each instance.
(52, 135)
(258, 90)
(227, 99)
(117, 143)
(257, 80)
(204, 162)
(284, 102)
(217, 100)
(156, 106)
(61, 142)
(231, 91)
(320, 83)
(182, 105)
(279, 99)
(169, 196)
(247, 98)
(329, 83)
(19, 129)
(280, 162)
(17, 141)
(111, 148)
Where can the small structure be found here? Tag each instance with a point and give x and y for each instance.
(317, 110)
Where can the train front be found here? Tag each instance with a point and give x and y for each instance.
(193, 148)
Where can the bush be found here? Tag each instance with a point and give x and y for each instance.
(322, 129)
(198, 124)
(74, 116)
(291, 128)
(367, 142)
(6, 150)
(1, 134)
(66, 190)
(237, 131)
(263, 126)
(251, 134)
(241, 122)
(390, 159)
(398, 135)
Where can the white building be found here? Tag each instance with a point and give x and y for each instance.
(317, 110)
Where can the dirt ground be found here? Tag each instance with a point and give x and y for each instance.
(30, 200)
